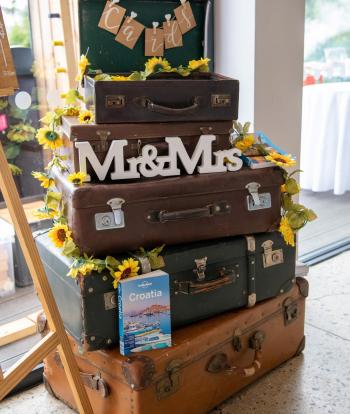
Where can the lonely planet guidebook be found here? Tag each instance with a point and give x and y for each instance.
(144, 313)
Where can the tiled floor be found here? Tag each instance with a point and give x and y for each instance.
(318, 382)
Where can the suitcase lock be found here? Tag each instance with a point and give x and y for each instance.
(271, 257)
(255, 200)
(201, 267)
(113, 220)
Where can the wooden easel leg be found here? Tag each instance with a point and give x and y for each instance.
(58, 336)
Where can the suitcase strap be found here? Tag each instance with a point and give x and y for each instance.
(251, 256)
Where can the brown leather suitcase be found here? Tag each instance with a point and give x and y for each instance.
(208, 363)
(199, 97)
(112, 218)
(100, 137)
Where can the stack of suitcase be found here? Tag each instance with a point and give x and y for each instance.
(237, 307)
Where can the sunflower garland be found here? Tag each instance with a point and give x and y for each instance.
(49, 138)
(128, 268)
(86, 117)
(77, 178)
(46, 181)
(59, 234)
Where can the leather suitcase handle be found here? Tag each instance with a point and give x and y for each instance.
(194, 288)
(219, 362)
(94, 382)
(164, 216)
(148, 104)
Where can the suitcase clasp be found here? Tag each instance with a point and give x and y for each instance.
(113, 220)
(255, 200)
(201, 267)
(171, 382)
(271, 257)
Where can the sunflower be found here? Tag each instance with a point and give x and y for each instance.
(86, 117)
(71, 111)
(49, 138)
(21, 133)
(246, 142)
(77, 178)
(82, 269)
(156, 64)
(287, 231)
(280, 160)
(201, 65)
(45, 213)
(45, 180)
(128, 268)
(59, 234)
(83, 63)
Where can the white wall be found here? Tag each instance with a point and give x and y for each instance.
(261, 43)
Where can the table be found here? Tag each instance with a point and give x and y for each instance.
(325, 141)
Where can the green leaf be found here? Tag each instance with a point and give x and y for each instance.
(287, 202)
(156, 262)
(292, 186)
(246, 128)
(296, 219)
(112, 263)
(136, 76)
(311, 215)
(12, 151)
(70, 249)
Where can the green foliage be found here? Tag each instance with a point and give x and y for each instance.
(339, 40)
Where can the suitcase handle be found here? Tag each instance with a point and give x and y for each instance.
(211, 210)
(94, 382)
(193, 288)
(219, 362)
(148, 104)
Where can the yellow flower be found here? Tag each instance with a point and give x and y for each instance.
(86, 117)
(21, 133)
(201, 65)
(280, 160)
(156, 64)
(83, 63)
(45, 213)
(245, 143)
(120, 78)
(128, 268)
(283, 188)
(59, 234)
(83, 270)
(71, 111)
(60, 70)
(287, 231)
(77, 178)
(45, 180)
(49, 139)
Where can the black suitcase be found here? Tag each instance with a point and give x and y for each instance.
(207, 278)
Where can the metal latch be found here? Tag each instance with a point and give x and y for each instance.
(201, 267)
(171, 382)
(113, 220)
(110, 299)
(290, 311)
(271, 257)
(255, 200)
(115, 101)
(220, 100)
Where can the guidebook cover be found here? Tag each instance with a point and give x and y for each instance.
(144, 313)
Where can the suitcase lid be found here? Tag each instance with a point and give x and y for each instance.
(110, 56)
(90, 196)
(92, 132)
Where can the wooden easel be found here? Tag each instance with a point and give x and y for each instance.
(57, 337)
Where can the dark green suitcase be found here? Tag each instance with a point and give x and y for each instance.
(110, 56)
(206, 279)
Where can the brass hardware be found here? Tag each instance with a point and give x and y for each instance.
(220, 100)
(251, 300)
(237, 343)
(103, 134)
(110, 299)
(250, 243)
(290, 311)
(170, 383)
(138, 371)
(115, 101)
(201, 266)
(218, 363)
(271, 257)
(256, 341)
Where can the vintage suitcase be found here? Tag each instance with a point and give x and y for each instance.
(168, 98)
(208, 363)
(112, 218)
(163, 99)
(138, 135)
(206, 278)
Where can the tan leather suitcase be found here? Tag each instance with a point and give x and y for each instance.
(209, 362)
